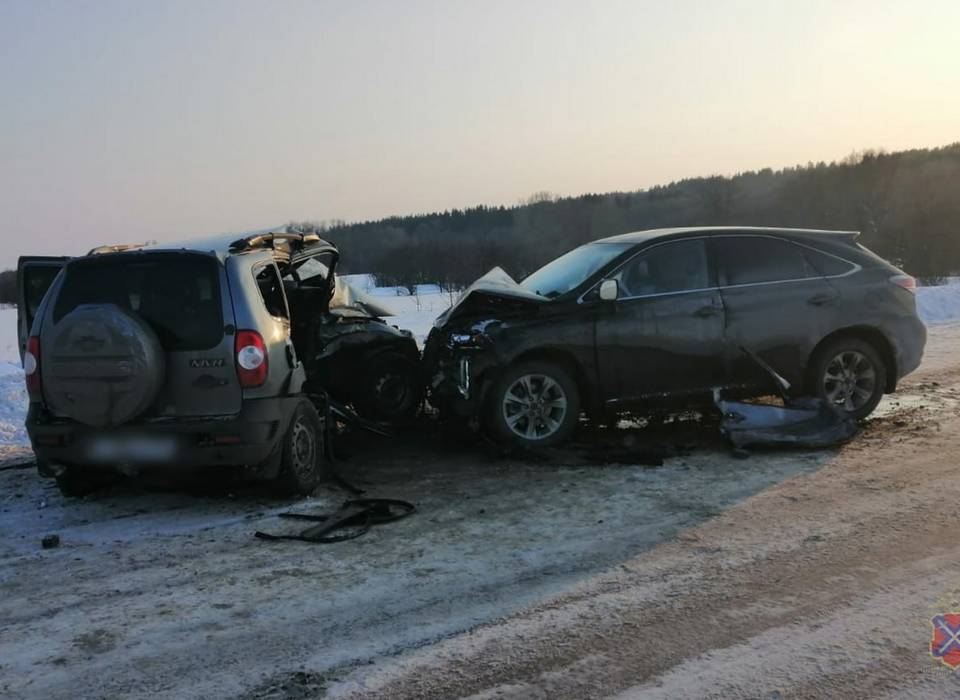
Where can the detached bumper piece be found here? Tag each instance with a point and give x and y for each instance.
(804, 422)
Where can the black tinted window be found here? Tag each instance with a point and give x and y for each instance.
(671, 267)
(271, 289)
(752, 259)
(177, 295)
(826, 265)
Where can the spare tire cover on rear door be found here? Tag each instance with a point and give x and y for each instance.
(103, 366)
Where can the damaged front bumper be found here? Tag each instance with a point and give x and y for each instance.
(453, 388)
(455, 375)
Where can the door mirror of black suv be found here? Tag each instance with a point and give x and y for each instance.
(609, 290)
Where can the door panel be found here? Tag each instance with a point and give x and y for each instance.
(664, 334)
(34, 277)
(779, 318)
(666, 344)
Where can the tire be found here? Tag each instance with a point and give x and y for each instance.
(302, 455)
(850, 374)
(390, 390)
(102, 365)
(532, 404)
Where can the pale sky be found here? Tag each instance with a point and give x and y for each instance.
(135, 120)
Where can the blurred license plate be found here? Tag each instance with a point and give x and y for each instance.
(133, 448)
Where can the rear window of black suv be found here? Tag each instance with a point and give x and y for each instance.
(177, 294)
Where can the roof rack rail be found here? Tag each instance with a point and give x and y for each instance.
(268, 240)
(118, 248)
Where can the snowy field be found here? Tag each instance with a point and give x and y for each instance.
(415, 312)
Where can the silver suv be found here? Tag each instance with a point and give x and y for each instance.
(214, 352)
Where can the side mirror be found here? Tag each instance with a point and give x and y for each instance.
(609, 290)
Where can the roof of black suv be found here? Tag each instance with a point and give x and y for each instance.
(643, 236)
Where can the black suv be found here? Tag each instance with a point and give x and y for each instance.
(210, 352)
(631, 321)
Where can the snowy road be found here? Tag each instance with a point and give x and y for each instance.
(167, 594)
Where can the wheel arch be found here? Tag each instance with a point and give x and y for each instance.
(870, 334)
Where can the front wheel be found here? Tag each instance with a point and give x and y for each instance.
(533, 404)
(850, 375)
(303, 456)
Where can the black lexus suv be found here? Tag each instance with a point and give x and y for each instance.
(636, 320)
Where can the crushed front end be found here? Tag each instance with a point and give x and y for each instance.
(455, 364)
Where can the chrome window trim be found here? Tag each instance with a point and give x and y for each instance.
(854, 268)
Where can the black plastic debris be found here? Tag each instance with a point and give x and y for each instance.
(50, 541)
(353, 519)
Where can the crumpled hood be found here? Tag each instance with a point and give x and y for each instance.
(495, 292)
(349, 302)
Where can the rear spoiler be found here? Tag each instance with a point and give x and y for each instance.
(848, 236)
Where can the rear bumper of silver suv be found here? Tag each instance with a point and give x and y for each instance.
(246, 439)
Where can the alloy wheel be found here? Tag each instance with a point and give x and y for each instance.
(849, 380)
(534, 406)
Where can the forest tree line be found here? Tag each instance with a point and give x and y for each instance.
(906, 205)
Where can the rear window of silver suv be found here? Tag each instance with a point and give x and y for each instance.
(177, 294)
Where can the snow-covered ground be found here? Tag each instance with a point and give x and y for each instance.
(415, 312)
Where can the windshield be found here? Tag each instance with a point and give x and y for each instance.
(571, 269)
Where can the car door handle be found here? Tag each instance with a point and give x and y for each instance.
(821, 299)
(707, 311)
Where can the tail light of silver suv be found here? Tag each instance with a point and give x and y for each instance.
(251, 355)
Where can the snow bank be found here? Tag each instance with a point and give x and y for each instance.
(13, 393)
(939, 304)
(13, 404)
(363, 282)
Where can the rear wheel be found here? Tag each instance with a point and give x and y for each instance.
(849, 374)
(533, 404)
(303, 456)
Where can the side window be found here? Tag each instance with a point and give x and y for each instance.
(755, 259)
(271, 289)
(827, 265)
(671, 267)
